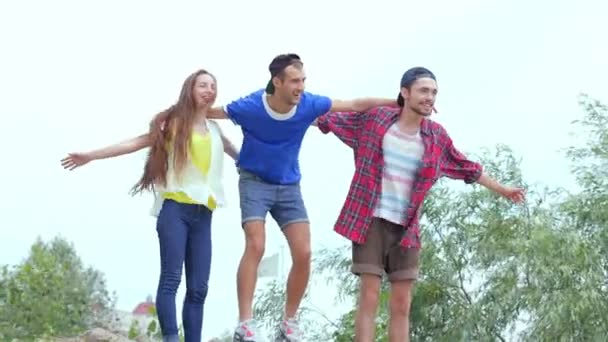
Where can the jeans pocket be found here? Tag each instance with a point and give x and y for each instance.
(246, 175)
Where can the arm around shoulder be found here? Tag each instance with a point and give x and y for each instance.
(217, 113)
(346, 126)
(361, 104)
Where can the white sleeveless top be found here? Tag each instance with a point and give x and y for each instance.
(192, 181)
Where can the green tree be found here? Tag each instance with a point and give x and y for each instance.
(571, 297)
(51, 293)
(152, 330)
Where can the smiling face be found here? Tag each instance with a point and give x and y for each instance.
(204, 90)
(420, 96)
(289, 84)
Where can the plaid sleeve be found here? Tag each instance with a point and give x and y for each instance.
(344, 125)
(455, 164)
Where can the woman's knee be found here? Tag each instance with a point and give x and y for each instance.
(197, 294)
(170, 280)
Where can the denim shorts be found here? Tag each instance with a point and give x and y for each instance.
(257, 197)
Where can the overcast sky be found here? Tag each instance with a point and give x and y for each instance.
(76, 75)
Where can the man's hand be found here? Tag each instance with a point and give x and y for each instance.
(516, 195)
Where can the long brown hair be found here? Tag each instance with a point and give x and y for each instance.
(175, 123)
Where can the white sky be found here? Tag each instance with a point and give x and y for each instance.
(77, 75)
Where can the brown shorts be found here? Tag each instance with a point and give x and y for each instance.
(382, 252)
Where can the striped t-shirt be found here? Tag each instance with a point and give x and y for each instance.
(402, 155)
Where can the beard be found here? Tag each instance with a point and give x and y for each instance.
(421, 112)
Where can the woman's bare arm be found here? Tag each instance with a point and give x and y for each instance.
(76, 159)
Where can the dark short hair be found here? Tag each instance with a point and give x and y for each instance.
(278, 65)
(409, 77)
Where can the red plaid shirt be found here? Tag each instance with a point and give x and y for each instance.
(364, 133)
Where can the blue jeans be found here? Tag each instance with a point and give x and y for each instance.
(257, 197)
(184, 234)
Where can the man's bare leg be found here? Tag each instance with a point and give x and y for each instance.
(400, 302)
(247, 275)
(298, 238)
(369, 293)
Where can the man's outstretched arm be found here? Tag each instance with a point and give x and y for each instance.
(344, 125)
(456, 165)
(360, 105)
(217, 113)
(514, 194)
(237, 110)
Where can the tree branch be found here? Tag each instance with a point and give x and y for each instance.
(455, 262)
(312, 308)
(460, 276)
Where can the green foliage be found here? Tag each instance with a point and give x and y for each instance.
(134, 330)
(226, 336)
(269, 309)
(494, 271)
(152, 330)
(572, 297)
(51, 293)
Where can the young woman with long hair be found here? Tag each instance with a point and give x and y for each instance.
(184, 170)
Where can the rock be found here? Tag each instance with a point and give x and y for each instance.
(102, 335)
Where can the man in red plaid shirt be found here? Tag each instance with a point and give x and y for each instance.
(399, 155)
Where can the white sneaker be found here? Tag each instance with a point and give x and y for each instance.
(289, 331)
(246, 332)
